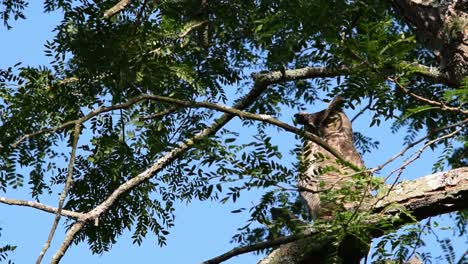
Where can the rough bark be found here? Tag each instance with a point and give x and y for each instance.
(427, 196)
(442, 27)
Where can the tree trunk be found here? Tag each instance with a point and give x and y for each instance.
(443, 28)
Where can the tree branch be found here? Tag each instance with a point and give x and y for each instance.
(83, 119)
(416, 156)
(228, 110)
(189, 29)
(40, 206)
(440, 105)
(159, 114)
(254, 247)
(431, 72)
(116, 8)
(261, 79)
(414, 143)
(431, 195)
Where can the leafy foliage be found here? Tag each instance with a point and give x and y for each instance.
(188, 51)
(5, 251)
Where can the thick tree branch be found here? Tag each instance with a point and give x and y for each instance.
(431, 195)
(443, 28)
(40, 206)
(427, 196)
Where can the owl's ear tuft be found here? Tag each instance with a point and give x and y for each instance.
(337, 103)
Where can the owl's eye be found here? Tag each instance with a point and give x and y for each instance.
(334, 122)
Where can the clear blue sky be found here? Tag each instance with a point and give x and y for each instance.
(202, 229)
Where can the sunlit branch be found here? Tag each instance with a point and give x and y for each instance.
(40, 206)
(121, 5)
(71, 233)
(431, 72)
(191, 28)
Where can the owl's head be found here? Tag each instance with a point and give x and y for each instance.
(328, 121)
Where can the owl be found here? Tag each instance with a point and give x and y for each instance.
(320, 170)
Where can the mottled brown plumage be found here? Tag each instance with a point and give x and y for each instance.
(334, 127)
(322, 172)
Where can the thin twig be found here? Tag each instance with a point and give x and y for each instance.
(140, 14)
(63, 195)
(440, 105)
(362, 110)
(371, 171)
(416, 155)
(420, 232)
(160, 114)
(43, 131)
(414, 143)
